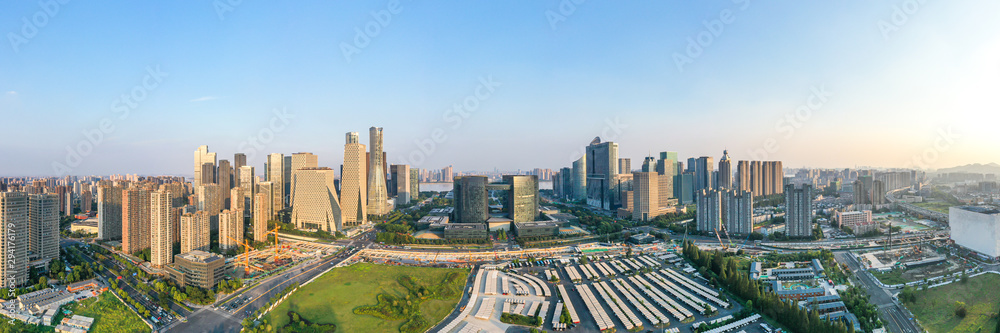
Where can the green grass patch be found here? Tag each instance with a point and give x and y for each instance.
(894, 276)
(110, 314)
(935, 307)
(936, 206)
(371, 289)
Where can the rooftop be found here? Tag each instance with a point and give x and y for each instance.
(200, 256)
(464, 226)
(989, 210)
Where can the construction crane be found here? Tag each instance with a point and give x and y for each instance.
(275, 232)
(246, 255)
(726, 232)
(724, 247)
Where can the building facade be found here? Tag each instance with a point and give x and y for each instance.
(316, 204)
(353, 184)
(798, 210)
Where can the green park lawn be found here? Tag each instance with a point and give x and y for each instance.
(935, 308)
(331, 298)
(110, 314)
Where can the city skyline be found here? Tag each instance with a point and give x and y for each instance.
(892, 86)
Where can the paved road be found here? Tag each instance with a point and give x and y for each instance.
(127, 282)
(212, 319)
(893, 316)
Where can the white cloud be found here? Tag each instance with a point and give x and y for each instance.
(203, 98)
(11, 92)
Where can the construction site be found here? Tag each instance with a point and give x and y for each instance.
(910, 263)
(284, 252)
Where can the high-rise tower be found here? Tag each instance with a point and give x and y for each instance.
(377, 192)
(353, 185)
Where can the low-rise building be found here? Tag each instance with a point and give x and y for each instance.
(88, 226)
(465, 231)
(755, 270)
(197, 268)
(536, 229)
(645, 238)
(795, 294)
(37, 302)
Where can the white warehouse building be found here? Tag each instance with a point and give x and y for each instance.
(976, 228)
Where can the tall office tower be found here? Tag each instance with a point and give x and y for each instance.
(276, 175)
(195, 232)
(14, 227)
(703, 173)
(557, 185)
(135, 220)
(668, 159)
(602, 164)
(161, 240)
(649, 164)
(471, 199)
(645, 195)
(522, 198)
(709, 210)
(860, 194)
(567, 182)
(237, 203)
(725, 177)
(353, 184)
(798, 210)
(401, 182)
(230, 230)
(624, 165)
(225, 181)
(43, 226)
(201, 157)
(684, 188)
(692, 164)
(377, 196)
(287, 181)
(300, 161)
(261, 215)
(738, 212)
(878, 193)
(579, 179)
(239, 160)
(316, 204)
(109, 211)
(742, 181)
(267, 189)
(414, 183)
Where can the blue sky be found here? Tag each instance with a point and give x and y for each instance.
(903, 82)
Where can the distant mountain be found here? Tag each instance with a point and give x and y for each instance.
(973, 168)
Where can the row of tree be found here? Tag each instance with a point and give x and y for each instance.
(725, 271)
